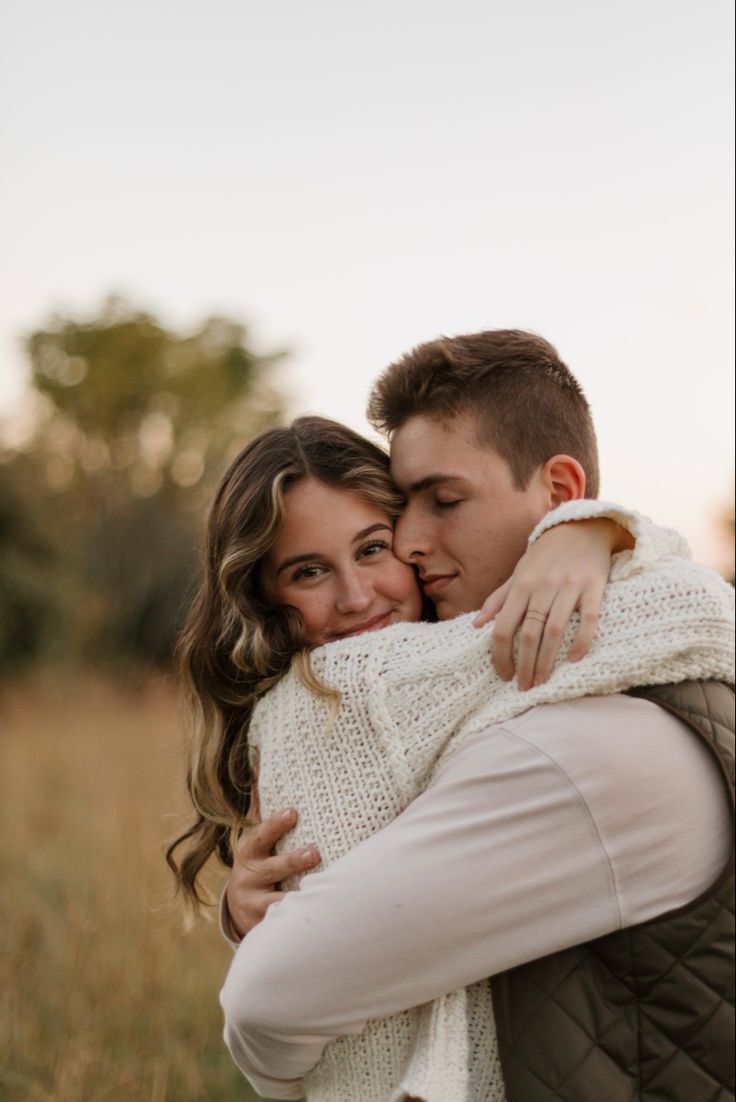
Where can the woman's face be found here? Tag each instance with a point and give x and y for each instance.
(333, 561)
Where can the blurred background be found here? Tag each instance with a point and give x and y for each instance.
(217, 217)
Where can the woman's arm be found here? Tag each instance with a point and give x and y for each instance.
(574, 550)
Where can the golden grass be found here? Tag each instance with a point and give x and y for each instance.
(103, 995)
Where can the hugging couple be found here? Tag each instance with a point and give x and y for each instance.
(485, 720)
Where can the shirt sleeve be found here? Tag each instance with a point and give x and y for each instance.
(225, 922)
(520, 847)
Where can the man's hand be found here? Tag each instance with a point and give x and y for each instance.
(253, 884)
(564, 571)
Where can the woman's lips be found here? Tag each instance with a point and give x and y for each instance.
(434, 583)
(377, 622)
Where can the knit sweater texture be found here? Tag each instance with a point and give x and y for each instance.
(409, 695)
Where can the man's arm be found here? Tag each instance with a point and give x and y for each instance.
(535, 835)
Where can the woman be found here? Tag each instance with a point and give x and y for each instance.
(299, 555)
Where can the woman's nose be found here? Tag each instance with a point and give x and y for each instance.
(354, 593)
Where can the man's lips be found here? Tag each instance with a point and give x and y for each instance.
(368, 625)
(434, 583)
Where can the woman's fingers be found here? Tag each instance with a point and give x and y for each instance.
(541, 636)
(567, 568)
(492, 605)
(508, 622)
(253, 886)
(257, 870)
(256, 866)
(273, 870)
(590, 610)
(558, 618)
(531, 634)
(538, 622)
(256, 843)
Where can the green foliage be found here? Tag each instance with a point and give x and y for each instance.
(31, 598)
(134, 403)
(102, 507)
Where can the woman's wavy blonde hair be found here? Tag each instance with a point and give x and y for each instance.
(234, 645)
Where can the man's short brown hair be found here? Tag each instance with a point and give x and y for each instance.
(527, 404)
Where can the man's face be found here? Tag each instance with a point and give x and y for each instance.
(465, 525)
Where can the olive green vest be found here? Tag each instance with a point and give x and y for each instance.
(644, 1014)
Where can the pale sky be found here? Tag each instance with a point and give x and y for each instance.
(352, 179)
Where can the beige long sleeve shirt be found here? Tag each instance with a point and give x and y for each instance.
(568, 822)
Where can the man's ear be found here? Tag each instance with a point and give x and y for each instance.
(563, 479)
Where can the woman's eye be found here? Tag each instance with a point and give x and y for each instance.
(307, 572)
(447, 504)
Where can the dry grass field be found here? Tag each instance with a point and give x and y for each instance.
(103, 995)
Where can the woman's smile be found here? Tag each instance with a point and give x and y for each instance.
(381, 621)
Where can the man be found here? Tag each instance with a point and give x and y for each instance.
(552, 831)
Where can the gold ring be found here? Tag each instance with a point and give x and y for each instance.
(540, 617)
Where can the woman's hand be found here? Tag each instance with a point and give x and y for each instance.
(253, 884)
(565, 569)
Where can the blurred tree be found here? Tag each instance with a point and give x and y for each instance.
(133, 423)
(32, 592)
(141, 409)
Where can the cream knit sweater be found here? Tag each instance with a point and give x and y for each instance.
(409, 694)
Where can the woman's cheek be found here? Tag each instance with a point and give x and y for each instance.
(312, 611)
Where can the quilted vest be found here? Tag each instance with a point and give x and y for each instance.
(643, 1014)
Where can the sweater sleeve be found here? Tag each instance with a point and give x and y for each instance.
(653, 542)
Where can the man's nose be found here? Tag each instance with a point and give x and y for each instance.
(412, 538)
(354, 593)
